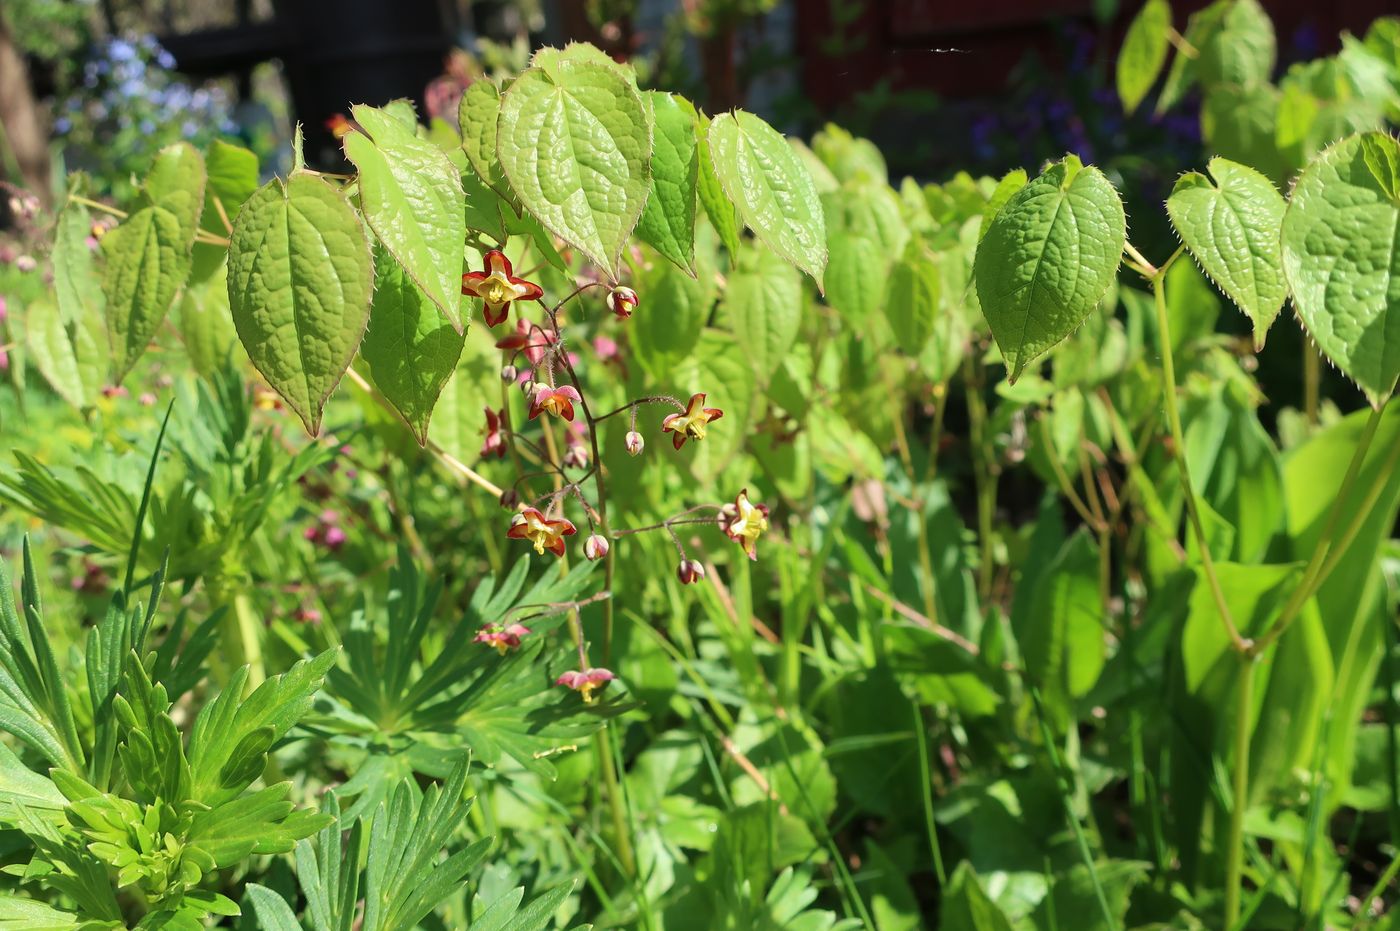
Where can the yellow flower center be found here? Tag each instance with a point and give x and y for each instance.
(497, 289)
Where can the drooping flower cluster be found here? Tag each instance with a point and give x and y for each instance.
(535, 357)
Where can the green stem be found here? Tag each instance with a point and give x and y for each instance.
(622, 837)
(1234, 851)
(1179, 454)
(985, 481)
(926, 794)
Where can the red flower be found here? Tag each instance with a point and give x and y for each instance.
(495, 442)
(498, 287)
(585, 682)
(558, 401)
(339, 125)
(690, 425)
(543, 532)
(501, 636)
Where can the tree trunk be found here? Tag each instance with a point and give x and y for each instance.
(19, 115)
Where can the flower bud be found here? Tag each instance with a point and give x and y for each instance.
(596, 546)
(690, 571)
(527, 387)
(509, 374)
(635, 443)
(622, 301)
(576, 457)
(509, 499)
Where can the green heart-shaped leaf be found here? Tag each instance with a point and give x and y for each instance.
(410, 346)
(1048, 258)
(668, 220)
(149, 254)
(1144, 52)
(575, 142)
(299, 286)
(1231, 227)
(1344, 278)
(769, 184)
(412, 199)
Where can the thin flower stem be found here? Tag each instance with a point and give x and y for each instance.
(633, 405)
(442, 455)
(1181, 45)
(575, 293)
(98, 205)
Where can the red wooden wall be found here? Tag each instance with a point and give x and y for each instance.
(901, 40)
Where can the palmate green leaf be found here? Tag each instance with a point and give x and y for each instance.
(149, 254)
(299, 280)
(771, 187)
(912, 298)
(405, 878)
(1048, 258)
(411, 348)
(264, 822)
(329, 876)
(22, 788)
(668, 220)
(505, 913)
(763, 304)
(1144, 52)
(1344, 278)
(710, 193)
(232, 734)
(412, 198)
(1231, 227)
(34, 699)
(575, 141)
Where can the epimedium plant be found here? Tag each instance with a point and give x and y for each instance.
(1057, 651)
